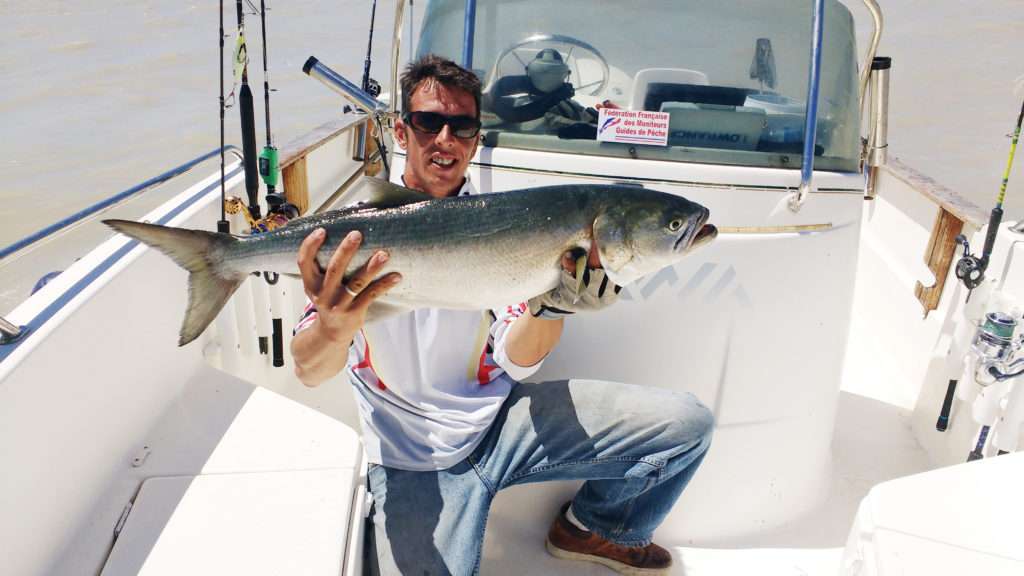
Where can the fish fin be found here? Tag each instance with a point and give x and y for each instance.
(209, 284)
(207, 294)
(381, 310)
(613, 251)
(384, 194)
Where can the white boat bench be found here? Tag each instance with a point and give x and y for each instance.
(281, 493)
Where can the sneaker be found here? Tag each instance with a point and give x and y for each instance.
(570, 543)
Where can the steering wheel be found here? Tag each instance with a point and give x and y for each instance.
(598, 85)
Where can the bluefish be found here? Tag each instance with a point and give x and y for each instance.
(477, 252)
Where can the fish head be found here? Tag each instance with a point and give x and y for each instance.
(642, 231)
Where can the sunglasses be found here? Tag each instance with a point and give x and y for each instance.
(432, 123)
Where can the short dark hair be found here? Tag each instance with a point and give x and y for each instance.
(442, 70)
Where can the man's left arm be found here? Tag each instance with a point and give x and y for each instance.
(530, 339)
(528, 333)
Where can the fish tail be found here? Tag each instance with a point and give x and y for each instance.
(210, 284)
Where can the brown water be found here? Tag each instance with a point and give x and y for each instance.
(99, 96)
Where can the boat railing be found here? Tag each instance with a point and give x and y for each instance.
(320, 144)
(112, 201)
(876, 36)
(317, 169)
(954, 214)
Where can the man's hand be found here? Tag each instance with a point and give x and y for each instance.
(583, 286)
(341, 307)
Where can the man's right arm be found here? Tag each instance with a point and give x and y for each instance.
(321, 350)
(317, 355)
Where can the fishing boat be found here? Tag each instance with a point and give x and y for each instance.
(853, 328)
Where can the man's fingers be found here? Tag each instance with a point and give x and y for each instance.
(312, 278)
(362, 277)
(332, 289)
(569, 263)
(376, 289)
(571, 258)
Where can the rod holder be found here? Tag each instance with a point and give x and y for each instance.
(338, 83)
(878, 143)
(878, 139)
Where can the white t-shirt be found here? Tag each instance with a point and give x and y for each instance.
(430, 382)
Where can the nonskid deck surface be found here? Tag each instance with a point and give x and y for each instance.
(872, 443)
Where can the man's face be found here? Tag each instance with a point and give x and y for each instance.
(436, 163)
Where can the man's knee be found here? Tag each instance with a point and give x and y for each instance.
(685, 419)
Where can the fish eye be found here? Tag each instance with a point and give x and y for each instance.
(675, 225)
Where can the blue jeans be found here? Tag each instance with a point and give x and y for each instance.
(637, 447)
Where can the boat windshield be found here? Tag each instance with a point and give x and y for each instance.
(731, 76)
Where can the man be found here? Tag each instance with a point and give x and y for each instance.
(445, 424)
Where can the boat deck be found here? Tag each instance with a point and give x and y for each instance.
(206, 432)
(873, 443)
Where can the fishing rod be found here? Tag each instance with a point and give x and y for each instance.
(370, 85)
(248, 117)
(222, 225)
(249, 157)
(270, 168)
(279, 210)
(970, 269)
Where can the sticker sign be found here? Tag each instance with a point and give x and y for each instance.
(633, 127)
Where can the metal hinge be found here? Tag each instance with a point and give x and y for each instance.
(121, 521)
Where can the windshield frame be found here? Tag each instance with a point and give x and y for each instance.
(849, 162)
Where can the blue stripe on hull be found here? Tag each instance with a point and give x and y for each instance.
(75, 289)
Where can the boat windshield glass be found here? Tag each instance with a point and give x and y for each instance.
(731, 75)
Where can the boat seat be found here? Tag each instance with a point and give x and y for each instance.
(645, 77)
(281, 493)
(963, 519)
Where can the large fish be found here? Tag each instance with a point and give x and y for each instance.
(467, 252)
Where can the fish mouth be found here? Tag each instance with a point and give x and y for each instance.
(706, 234)
(697, 234)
